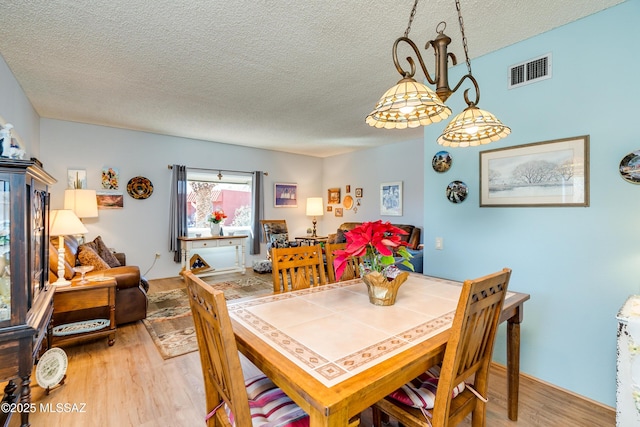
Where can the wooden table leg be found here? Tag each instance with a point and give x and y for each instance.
(513, 363)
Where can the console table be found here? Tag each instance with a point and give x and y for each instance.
(189, 244)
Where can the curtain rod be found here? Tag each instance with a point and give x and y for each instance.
(216, 170)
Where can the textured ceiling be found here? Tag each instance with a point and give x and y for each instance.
(289, 75)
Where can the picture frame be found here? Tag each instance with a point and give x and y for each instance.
(333, 196)
(548, 173)
(358, 192)
(76, 179)
(347, 189)
(391, 198)
(285, 195)
(338, 212)
(110, 199)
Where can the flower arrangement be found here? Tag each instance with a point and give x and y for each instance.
(217, 216)
(376, 243)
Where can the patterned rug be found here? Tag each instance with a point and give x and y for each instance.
(169, 319)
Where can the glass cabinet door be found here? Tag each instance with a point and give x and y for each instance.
(5, 234)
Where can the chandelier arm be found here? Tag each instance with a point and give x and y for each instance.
(466, 92)
(410, 60)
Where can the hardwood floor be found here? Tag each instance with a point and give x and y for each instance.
(130, 384)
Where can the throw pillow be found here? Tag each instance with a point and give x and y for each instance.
(280, 240)
(88, 256)
(103, 252)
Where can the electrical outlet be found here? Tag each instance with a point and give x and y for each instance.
(157, 254)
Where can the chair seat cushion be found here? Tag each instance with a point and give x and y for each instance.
(421, 391)
(269, 405)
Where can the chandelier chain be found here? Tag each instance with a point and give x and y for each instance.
(464, 37)
(413, 14)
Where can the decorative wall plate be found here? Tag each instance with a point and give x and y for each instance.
(348, 202)
(51, 367)
(441, 162)
(630, 167)
(457, 191)
(139, 187)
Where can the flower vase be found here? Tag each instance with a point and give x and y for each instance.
(381, 290)
(215, 229)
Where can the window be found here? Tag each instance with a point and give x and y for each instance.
(208, 191)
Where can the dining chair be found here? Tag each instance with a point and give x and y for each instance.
(351, 272)
(231, 399)
(297, 268)
(468, 353)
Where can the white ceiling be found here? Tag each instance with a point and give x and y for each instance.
(290, 75)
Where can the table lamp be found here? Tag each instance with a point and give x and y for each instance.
(63, 222)
(314, 208)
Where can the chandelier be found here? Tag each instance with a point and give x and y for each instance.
(410, 104)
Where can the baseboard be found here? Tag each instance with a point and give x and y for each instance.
(600, 407)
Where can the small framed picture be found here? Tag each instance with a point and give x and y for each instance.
(338, 212)
(333, 196)
(285, 195)
(329, 208)
(391, 198)
(110, 199)
(358, 192)
(110, 178)
(348, 189)
(76, 179)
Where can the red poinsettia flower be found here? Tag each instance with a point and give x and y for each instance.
(217, 216)
(376, 243)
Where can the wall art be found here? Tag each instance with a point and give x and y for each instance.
(110, 178)
(549, 173)
(333, 196)
(76, 179)
(285, 195)
(441, 162)
(391, 198)
(630, 167)
(457, 191)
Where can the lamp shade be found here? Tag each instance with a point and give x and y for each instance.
(82, 202)
(63, 222)
(314, 206)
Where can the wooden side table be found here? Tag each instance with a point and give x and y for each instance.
(80, 311)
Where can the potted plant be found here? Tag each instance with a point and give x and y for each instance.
(380, 248)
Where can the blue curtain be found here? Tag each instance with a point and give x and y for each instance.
(257, 211)
(177, 209)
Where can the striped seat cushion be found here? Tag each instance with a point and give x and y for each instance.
(271, 406)
(421, 391)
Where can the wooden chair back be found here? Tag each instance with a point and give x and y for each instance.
(351, 272)
(272, 226)
(468, 353)
(297, 268)
(221, 368)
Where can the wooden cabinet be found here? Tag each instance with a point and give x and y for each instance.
(26, 299)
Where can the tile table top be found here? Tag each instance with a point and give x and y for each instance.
(333, 332)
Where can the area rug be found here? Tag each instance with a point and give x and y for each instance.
(169, 319)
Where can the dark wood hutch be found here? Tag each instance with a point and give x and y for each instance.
(26, 299)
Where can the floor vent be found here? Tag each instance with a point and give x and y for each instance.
(530, 71)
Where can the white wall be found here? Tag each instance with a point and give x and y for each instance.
(367, 169)
(16, 109)
(140, 229)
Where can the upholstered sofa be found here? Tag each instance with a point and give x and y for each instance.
(412, 238)
(131, 288)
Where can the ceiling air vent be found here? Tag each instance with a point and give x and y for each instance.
(530, 71)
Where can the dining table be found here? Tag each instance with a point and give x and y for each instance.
(335, 354)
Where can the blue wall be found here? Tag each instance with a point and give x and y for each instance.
(578, 264)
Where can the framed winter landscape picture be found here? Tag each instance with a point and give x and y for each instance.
(549, 173)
